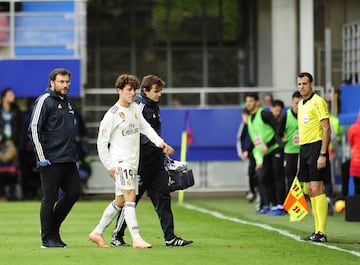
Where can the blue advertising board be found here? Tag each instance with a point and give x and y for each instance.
(214, 132)
(30, 78)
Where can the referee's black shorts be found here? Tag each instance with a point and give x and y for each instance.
(309, 154)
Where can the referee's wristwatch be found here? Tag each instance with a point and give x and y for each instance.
(322, 154)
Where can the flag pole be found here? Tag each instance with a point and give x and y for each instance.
(182, 159)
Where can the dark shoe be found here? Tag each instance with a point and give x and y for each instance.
(52, 243)
(309, 238)
(320, 238)
(330, 209)
(58, 238)
(265, 210)
(119, 242)
(178, 242)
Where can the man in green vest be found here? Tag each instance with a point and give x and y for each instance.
(288, 130)
(268, 156)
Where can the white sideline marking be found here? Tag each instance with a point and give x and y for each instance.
(266, 227)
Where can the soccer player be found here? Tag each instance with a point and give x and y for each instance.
(314, 138)
(118, 146)
(288, 130)
(153, 176)
(276, 108)
(262, 128)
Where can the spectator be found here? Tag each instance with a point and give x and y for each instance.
(8, 169)
(267, 100)
(11, 118)
(354, 142)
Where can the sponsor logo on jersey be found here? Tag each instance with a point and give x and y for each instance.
(132, 129)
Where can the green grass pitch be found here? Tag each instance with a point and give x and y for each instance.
(229, 233)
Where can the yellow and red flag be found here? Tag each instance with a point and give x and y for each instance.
(295, 203)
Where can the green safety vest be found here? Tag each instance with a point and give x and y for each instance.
(291, 134)
(260, 133)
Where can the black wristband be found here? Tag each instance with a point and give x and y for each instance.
(322, 154)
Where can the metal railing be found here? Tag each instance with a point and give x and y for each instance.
(351, 53)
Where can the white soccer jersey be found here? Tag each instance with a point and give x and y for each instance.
(121, 128)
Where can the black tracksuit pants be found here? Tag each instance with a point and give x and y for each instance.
(54, 210)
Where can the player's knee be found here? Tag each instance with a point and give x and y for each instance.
(119, 201)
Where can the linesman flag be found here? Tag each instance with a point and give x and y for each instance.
(295, 203)
(186, 140)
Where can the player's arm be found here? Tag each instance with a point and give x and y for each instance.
(146, 129)
(281, 127)
(325, 125)
(103, 141)
(38, 118)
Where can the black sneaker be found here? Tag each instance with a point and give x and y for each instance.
(52, 243)
(119, 242)
(309, 238)
(320, 238)
(330, 209)
(178, 242)
(59, 239)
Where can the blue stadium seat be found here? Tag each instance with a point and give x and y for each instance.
(54, 51)
(52, 6)
(41, 34)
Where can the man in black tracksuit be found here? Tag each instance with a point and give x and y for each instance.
(52, 129)
(153, 176)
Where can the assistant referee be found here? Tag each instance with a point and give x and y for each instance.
(314, 138)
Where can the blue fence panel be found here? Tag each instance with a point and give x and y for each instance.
(29, 78)
(214, 132)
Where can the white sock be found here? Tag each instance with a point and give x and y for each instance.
(109, 214)
(130, 218)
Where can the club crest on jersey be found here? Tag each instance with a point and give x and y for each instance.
(104, 132)
(122, 115)
(135, 115)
